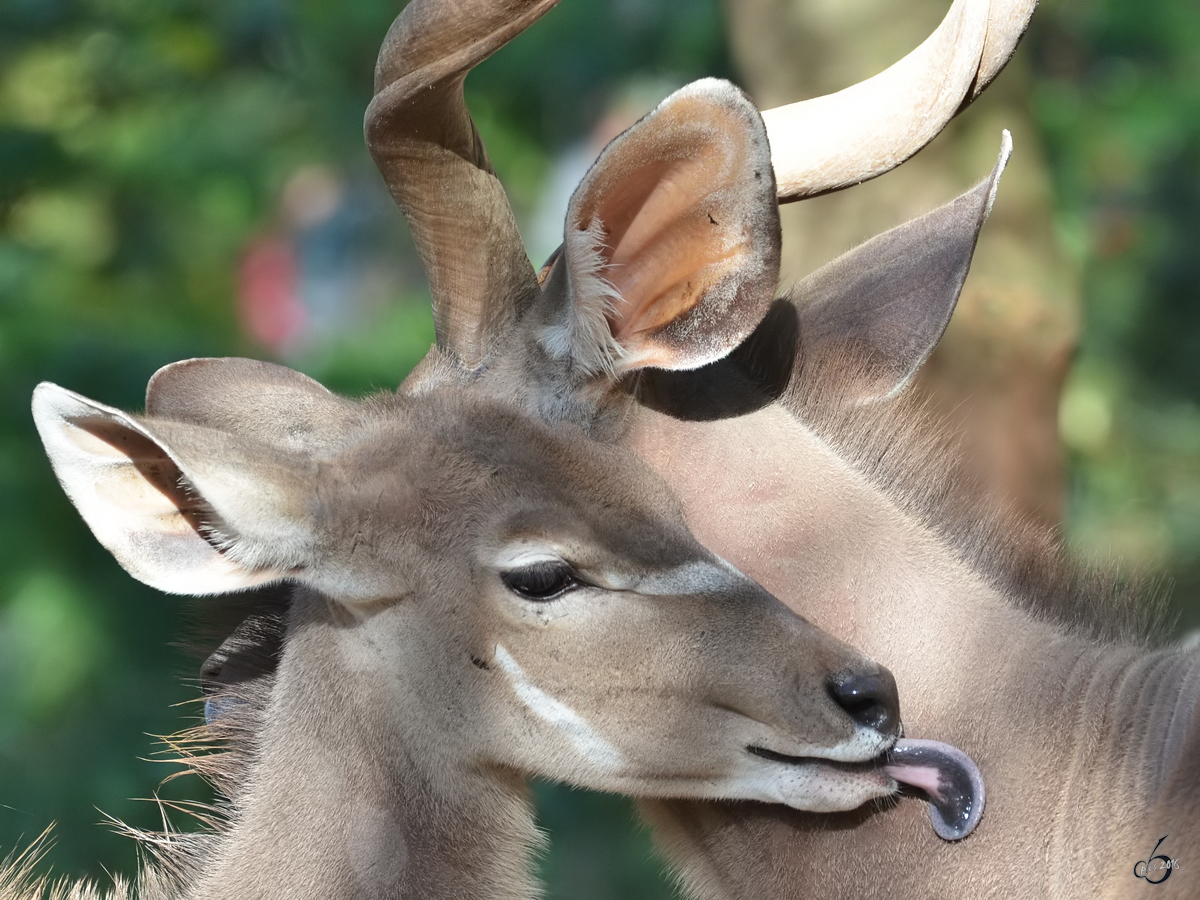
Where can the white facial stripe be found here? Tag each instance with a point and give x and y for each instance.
(696, 577)
(561, 717)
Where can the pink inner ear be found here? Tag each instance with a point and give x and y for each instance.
(670, 234)
(674, 249)
(679, 202)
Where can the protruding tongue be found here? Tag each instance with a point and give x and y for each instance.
(948, 778)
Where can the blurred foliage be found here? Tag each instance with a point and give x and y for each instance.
(1118, 99)
(145, 144)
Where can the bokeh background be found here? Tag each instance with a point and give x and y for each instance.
(185, 178)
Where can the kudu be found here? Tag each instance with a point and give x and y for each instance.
(796, 457)
(480, 588)
(841, 501)
(479, 596)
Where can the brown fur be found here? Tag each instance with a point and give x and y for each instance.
(373, 729)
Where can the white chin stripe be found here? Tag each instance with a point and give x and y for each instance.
(867, 743)
(811, 785)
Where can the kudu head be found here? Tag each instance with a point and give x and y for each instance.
(663, 290)
(536, 594)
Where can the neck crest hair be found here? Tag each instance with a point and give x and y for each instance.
(911, 455)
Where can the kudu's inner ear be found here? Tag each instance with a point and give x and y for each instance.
(672, 239)
(183, 508)
(883, 306)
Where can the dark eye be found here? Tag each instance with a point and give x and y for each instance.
(543, 581)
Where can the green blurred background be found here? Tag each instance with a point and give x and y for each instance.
(183, 179)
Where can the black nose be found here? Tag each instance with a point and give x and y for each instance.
(871, 700)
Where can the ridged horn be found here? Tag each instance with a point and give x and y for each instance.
(427, 148)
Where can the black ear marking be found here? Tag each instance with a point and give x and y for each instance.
(253, 646)
(755, 374)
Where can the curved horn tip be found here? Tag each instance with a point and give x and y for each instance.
(827, 143)
(1006, 148)
(1005, 31)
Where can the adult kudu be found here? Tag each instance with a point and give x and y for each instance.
(481, 587)
(796, 457)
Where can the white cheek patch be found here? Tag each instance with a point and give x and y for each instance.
(590, 745)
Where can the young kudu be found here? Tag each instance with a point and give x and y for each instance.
(794, 457)
(480, 589)
(479, 596)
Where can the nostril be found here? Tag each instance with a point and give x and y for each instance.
(870, 700)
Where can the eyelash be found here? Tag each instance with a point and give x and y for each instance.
(541, 581)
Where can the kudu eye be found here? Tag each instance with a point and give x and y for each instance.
(543, 581)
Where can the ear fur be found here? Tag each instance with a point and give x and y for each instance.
(887, 302)
(262, 401)
(882, 306)
(671, 252)
(183, 508)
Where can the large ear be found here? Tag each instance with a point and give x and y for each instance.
(885, 304)
(184, 508)
(671, 251)
(265, 402)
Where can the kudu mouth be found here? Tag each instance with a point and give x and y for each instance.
(943, 775)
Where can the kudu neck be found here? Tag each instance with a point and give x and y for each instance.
(1072, 735)
(345, 800)
(1136, 742)
(1083, 736)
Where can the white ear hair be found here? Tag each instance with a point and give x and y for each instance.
(586, 334)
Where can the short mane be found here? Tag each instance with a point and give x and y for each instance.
(916, 459)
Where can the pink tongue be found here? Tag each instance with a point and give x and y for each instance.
(949, 779)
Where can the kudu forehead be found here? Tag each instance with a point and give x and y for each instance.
(516, 478)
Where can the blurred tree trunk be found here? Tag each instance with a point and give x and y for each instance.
(998, 372)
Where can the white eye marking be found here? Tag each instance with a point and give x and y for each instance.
(699, 577)
(558, 715)
(523, 556)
